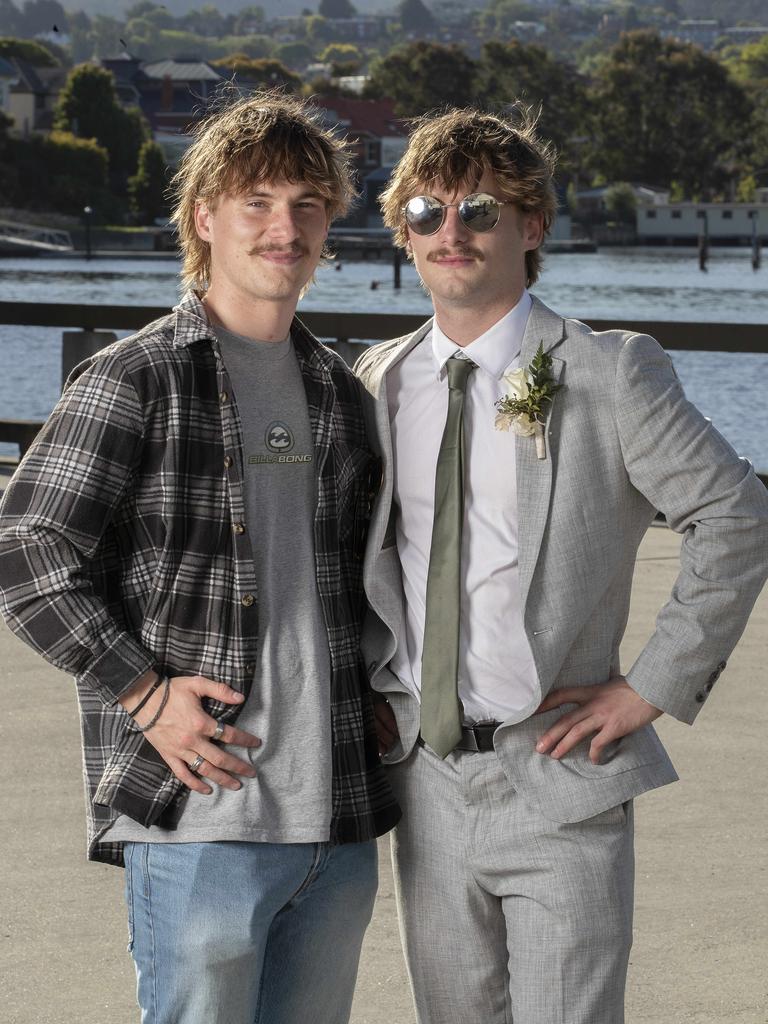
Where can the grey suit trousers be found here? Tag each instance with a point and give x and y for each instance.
(505, 915)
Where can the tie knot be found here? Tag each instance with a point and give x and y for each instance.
(458, 370)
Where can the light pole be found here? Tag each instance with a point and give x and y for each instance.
(87, 213)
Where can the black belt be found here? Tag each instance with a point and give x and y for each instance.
(478, 738)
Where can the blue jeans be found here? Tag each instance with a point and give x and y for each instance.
(248, 933)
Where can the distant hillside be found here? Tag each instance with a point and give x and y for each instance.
(729, 11)
(117, 8)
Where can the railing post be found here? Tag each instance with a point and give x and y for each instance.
(79, 345)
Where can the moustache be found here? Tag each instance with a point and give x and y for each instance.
(291, 250)
(466, 252)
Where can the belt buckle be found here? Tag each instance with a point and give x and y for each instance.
(482, 735)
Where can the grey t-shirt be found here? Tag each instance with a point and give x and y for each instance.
(289, 800)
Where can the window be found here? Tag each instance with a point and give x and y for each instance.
(650, 214)
(727, 214)
(701, 214)
(676, 215)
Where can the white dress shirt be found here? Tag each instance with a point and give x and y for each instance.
(497, 676)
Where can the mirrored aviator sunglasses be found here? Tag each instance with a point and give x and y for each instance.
(480, 212)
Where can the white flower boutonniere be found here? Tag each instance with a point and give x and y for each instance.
(523, 410)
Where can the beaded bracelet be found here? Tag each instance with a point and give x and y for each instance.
(160, 708)
(157, 683)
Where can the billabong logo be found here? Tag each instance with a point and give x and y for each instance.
(278, 437)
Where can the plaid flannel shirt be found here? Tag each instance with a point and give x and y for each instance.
(121, 550)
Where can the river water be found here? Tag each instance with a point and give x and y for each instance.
(629, 284)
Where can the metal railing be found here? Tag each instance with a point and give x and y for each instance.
(704, 337)
(36, 237)
(349, 332)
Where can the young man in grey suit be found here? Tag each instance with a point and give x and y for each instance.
(499, 568)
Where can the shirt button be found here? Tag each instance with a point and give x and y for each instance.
(238, 528)
(223, 397)
(227, 461)
(250, 668)
(247, 600)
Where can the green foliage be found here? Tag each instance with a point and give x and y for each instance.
(263, 71)
(665, 110)
(499, 16)
(88, 107)
(207, 21)
(340, 53)
(423, 76)
(59, 172)
(247, 18)
(415, 16)
(745, 190)
(253, 45)
(526, 71)
(147, 188)
(317, 29)
(27, 49)
(38, 16)
(621, 202)
(295, 55)
(336, 9)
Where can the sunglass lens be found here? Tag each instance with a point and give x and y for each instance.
(480, 212)
(424, 215)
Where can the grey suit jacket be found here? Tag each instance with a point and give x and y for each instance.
(622, 442)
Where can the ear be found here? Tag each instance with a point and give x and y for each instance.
(203, 218)
(533, 230)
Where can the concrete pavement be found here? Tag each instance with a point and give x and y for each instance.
(701, 926)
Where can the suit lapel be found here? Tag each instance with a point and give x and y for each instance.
(534, 476)
(376, 383)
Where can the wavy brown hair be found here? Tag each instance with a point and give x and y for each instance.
(267, 136)
(460, 145)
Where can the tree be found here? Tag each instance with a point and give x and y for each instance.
(147, 188)
(749, 65)
(207, 21)
(423, 76)
(317, 29)
(336, 9)
(27, 49)
(58, 172)
(88, 107)
(499, 17)
(248, 20)
(295, 55)
(340, 53)
(10, 17)
(265, 71)
(665, 110)
(525, 71)
(621, 202)
(414, 16)
(41, 15)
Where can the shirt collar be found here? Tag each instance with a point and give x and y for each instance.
(494, 350)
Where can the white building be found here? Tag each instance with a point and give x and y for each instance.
(684, 223)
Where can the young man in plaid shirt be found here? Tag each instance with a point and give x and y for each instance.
(185, 537)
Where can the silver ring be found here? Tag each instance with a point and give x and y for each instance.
(194, 765)
(219, 731)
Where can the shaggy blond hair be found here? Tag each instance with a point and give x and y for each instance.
(265, 137)
(461, 145)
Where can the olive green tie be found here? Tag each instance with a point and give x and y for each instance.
(441, 710)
